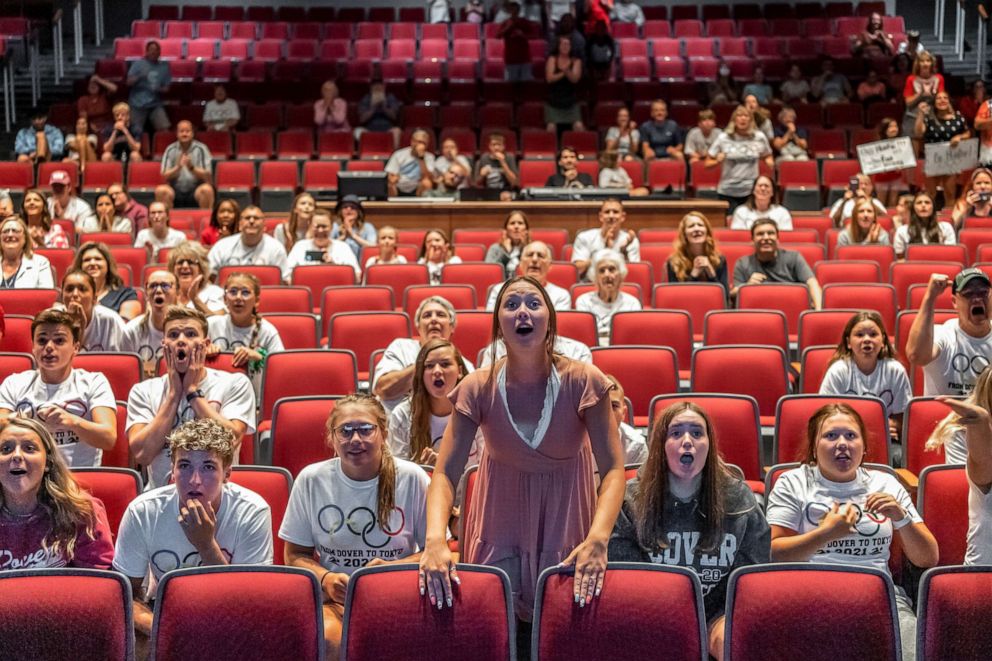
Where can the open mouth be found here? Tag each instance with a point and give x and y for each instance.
(159, 300)
(978, 310)
(525, 330)
(843, 459)
(18, 471)
(193, 495)
(686, 459)
(439, 383)
(181, 354)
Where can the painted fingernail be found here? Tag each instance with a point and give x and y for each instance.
(582, 604)
(598, 590)
(576, 598)
(439, 605)
(432, 599)
(456, 580)
(422, 590)
(448, 601)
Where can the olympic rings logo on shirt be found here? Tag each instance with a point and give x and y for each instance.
(867, 524)
(963, 363)
(361, 522)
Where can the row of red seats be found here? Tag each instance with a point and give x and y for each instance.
(648, 607)
(388, 14)
(409, 30)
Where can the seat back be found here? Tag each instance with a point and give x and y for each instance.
(673, 327)
(578, 325)
(742, 326)
(942, 500)
(27, 301)
(479, 625)
(648, 607)
(644, 371)
(790, 299)
(82, 614)
(813, 364)
(12, 363)
(696, 298)
(921, 417)
(822, 327)
(328, 372)
(123, 370)
(364, 332)
(298, 432)
(881, 298)
(735, 423)
(115, 487)
(788, 593)
(952, 609)
(297, 330)
(758, 371)
(274, 484)
(238, 612)
(794, 412)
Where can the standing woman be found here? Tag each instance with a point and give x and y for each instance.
(223, 222)
(738, 151)
(971, 427)
(365, 486)
(563, 73)
(832, 510)
(921, 87)
(22, 269)
(46, 518)
(865, 364)
(188, 262)
(242, 330)
(547, 424)
(923, 227)
(435, 252)
(417, 424)
(516, 235)
(695, 256)
(976, 200)
(95, 259)
(942, 124)
(34, 211)
(351, 227)
(608, 268)
(761, 204)
(297, 226)
(864, 226)
(684, 490)
(103, 329)
(77, 406)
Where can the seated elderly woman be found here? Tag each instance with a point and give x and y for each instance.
(47, 519)
(22, 268)
(608, 269)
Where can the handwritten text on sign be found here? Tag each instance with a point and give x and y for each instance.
(886, 155)
(943, 159)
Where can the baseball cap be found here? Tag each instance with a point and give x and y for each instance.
(59, 177)
(348, 201)
(962, 279)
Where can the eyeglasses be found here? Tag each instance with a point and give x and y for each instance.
(346, 431)
(164, 286)
(12, 230)
(234, 292)
(187, 262)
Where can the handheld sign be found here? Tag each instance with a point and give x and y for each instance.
(886, 155)
(941, 158)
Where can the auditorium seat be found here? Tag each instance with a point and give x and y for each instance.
(793, 413)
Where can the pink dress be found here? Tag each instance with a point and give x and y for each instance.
(531, 506)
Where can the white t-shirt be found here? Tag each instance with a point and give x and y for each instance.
(142, 338)
(901, 240)
(635, 449)
(407, 166)
(77, 210)
(400, 354)
(802, 496)
(591, 302)
(960, 360)
(615, 178)
(744, 217)
(337, 516)
(434, 268)
(956, 448)
(560, 298)
(566, 346)
(151, 539)
(105, 331)
(374, 259)
(229, 337)
(213, 297)
(230, 251)
(230, 394)
(399, 434)
(847, 207)
(888, 382)
(172, 239)
(979, 550)
(25, 393)
(339, 251)
(34, 272)
(587, 242)
(216, 115)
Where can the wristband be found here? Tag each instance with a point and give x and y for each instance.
(323, 577)
(902, 523)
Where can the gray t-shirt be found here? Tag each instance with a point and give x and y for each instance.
(740, 168)
(697, 143)
(788, 266)
(199, 156)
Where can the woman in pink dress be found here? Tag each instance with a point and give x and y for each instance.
(547, 425)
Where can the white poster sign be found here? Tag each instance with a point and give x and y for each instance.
(941, 158)
(886, 155)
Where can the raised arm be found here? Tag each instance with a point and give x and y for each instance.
(920, 349)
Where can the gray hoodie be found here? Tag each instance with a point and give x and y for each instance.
(746, 540)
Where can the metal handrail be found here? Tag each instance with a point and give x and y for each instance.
(983, 19)
(57, 46)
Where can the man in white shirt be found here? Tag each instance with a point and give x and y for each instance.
(158, 234)
(63, 204)
(221, 113)
(535, 261)
(393, 377)
(955, 353)
(250, 246)
(200, 520)
(610, 234)
(409, 169)
(189, 390)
